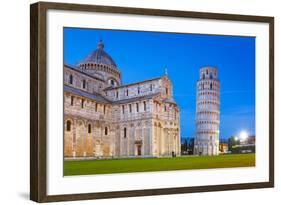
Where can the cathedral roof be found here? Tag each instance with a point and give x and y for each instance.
(94, 96)
(131, 84)
(99, 98)
(170, 100)
(83, 73)
(136, 98)
(99, 56)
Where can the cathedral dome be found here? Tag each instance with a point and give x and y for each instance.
(99, 56)
(100, 65)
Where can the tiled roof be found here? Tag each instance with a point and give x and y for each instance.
(79, 71)
(136, 83)
(93, 96)
(169, 100)
(99, 98)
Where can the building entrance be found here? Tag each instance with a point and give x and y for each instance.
(139, 150)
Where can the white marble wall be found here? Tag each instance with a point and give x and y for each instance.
(207, 112)
(152, 124)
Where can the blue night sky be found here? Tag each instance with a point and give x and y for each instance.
(144, 55)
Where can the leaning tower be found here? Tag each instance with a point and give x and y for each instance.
(207, 112)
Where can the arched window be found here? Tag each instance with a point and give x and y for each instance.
(105, 131)
(127, 92)
(89, 128)
(117, 94)
(82, 103)
(130, 108)
(211, 86)
(70, 79)
(84, 84)
(203, 76)
(104, 109)
(123, 109)
(96, 107)
(71, 100)
(144, 105)
(207, 72)
(112, 82)
(125, 132)
(150, 87)
(138, 90)
(167, 91)
(68, 125)
(137, 107)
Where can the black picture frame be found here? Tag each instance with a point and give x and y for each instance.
(38, 102)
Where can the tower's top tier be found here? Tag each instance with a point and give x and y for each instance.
(208, 73)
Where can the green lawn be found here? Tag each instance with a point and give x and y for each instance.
(110, 166)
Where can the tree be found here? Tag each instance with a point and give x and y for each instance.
(184, 146)
(232, 143)
(187, 146)
(190, 145)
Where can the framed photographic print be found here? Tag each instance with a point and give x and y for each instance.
(134, 102)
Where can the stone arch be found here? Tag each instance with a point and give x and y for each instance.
(81, 122)
(106, 130)
(98, 124)
(69, 137)
(125, 132)
(80, 134)
(69, 119)
(105, 150)
(68, 125)
(89, 127)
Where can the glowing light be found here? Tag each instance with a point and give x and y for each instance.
(243, 135)
(236, 138)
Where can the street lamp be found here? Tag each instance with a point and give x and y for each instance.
(243, 135)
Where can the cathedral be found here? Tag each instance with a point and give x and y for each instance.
(104, 118)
